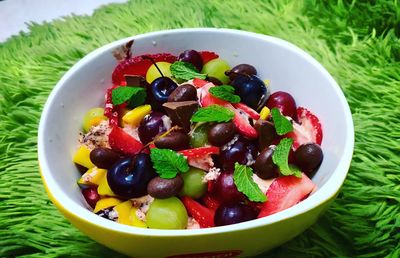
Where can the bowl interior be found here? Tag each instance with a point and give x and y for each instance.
(286, 66)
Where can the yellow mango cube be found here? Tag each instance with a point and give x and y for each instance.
(106, 203)
(82, 157)
(92, 177)
(104, 188)
(136, 115)
(264, 113)
(123, 210)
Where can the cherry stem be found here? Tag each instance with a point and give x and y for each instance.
(152, 60)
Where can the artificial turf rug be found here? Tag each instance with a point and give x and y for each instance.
(358, 42)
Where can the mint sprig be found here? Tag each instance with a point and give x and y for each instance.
(225, 92)
(213, 113)
(243, 178)
(280, 157)
(136, 95)
(185, 71)
(168, 163)
(281, 123)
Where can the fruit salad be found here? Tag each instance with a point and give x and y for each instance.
(191, 141)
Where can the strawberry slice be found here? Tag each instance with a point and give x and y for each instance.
(210, 201)
(200, 157)
(121, 141)
(201, 214)
(285, 192)
(207, 56)
(109, 109)
(248, 110)
(242, 124)
(308, 130)
(198, 83)
(138, 66)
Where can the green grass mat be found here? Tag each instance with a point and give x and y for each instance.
(357, 41)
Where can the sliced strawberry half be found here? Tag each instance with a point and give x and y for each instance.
(200, 157)
(210, 201)
(308, 130)
(203, 215)
(248, 110)
(207, 56)
(138, 66)
(121, 141)
(242, 124)
(285, 192)
(198, 83)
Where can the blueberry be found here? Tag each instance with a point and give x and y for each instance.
(128, 178)
(251, 90)
(161, 88)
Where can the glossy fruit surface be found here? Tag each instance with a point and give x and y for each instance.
(308, 157)
(221, 133)
(203, 215)
(104, 157)
(129, 177)
(193, 184)
(185, 92)
(162, 188)
(284, 102)
(167, 213)
(264, 167)
(91, 196)
(175, 140)
(232, 213)
(161, 88)
(240, 150)
(92, 118)
(150, 126)
(153, 73)
(193, 57)
(225, 188)
(252, 90)
(244, 69)
(199, 136)
(217, 68)
(123, 142)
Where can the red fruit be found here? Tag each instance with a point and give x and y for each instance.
(242, 124)
(198, 83)
(200, 157)
(203, 215)
(284, 102)
(226, 190)
(91, 196)
(207, 56)
(210, 201)
(121, 141)
(248, 110)
(308, 130)
(109, 110)
(138, 66)
(285, 192)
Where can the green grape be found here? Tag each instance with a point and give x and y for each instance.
(167, 213)
(92, 118)
(193, 185)
(217, 68)
(153, 73)
(199, 136)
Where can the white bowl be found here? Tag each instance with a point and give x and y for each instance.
(286, 66)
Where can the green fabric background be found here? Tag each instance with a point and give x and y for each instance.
(357, 41)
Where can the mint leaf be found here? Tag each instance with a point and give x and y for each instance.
(121, 94)
(137, 99)
(280, 157)
(225, 92)
(168, 163)
(185, 71)
(242, 176)
(282, 124)
(213, 113)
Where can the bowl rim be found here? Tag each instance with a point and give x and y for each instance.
(325, 193)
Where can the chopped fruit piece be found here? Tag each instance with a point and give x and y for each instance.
(264, 113)
(91, 196)
(109, 110)
(153, 73)
(248, 110)
(136, 115)
(203, 215)
(208, 56)
(123, 209)
(200, 157)
(121, 141)
(82, 157)
(92, 118)
(198, 83)
(285, 192)
(242, 124)
(106, 203)
(308, 130)
(104, 188)
(210, 201)
(92, 177)
(138, 66)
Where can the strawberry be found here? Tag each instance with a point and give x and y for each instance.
(200, 157)
(248, 110)
(210, 201)
(109, 110)
(308, 130)
(285, 192)
(198, 83)
(242, 124)
(207, 56)
(138, 66)
(121, 141)
(203, 215)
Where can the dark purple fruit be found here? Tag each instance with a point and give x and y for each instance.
(175, 140)
(284, 102)
(161, 88)
(232, 213)
(151, 125)
(128, 178)
(266, 134)
(184, 92)
(225, 188)
(221, 133)
(162, 188)
(244, 69)
(264, 167)
(308, 158)
(193, 57)
(104, 157)
(252, 90)
(240, 150)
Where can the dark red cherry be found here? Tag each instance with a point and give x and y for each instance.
(284, 102)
